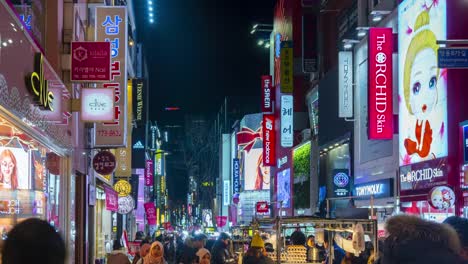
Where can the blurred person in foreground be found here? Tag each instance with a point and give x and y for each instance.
(155, 255)
(461, 227)
(144, 251)
(412, 240)
(204, 256)
(220, 252)
(118, 254)
(186, 252)
(257, 253)
(33, 241)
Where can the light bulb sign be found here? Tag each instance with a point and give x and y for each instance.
(380, 83)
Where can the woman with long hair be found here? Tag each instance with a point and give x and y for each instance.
(8, 170)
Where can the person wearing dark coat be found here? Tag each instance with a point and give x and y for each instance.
(461, 226)
(220, 252)
(257, 253)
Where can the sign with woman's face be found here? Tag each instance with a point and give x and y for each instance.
(422, 86)
(14, 169)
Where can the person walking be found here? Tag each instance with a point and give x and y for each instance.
(155, 255)
(257, 253)
(204, 256)
(33, 241)
(144, 251)
(118, 255)
(220, 252)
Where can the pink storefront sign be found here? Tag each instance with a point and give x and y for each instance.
(150, 213)
(149, 172)
(112, 199)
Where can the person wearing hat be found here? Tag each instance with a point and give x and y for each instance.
(220, 252)
(257, 253)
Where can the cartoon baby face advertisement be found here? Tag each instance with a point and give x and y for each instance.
(422, 93)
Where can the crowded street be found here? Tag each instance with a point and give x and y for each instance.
(233, 132)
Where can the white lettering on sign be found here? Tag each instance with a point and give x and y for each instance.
(422, 175)
(369, 189)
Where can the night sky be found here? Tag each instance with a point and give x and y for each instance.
(199, 52)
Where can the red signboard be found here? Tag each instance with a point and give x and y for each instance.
(221, 221)
(104, 163)
(112, 199)
(267, 94)
(90, 61)
(269, 140)
(380, 83)
(262, 207)
(150, 213)
(149, 178)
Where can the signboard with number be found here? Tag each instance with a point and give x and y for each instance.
(104, 163)
(111, 26)
(90, 61)
(286, 69)
(454, 58)
(287, 130)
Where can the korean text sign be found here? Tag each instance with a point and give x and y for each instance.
(422, 86)
(90, 61)
(287, 130)
(267, 94)
(380, 83)
(286, 68)
(269, 140)
(111, 26)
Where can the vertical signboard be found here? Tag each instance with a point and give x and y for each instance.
(286, 67)
(140, 101)
(345, 84)
(465, 144)
(111, 26)
(380, 83)
(269, 140)
(422, 86)
(267, 94)
(226, 193)
(287, 130)
(124, 155)
(341, 182)
(236, 176)
(149, 177)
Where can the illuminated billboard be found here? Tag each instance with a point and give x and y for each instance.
(256, 174)
(283, 188)
(422, 86)
(301, 161)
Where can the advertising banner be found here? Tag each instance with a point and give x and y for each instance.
(287, 129)
(379, 189)
(104, 162)
(226, 193)
(112, 199)
(90, 61)
(268, 94)
(301, 175)
(150, 213)
(149, 173)
(423, 175)
(283, 188)
(345, 84)
(380, 83)
(256, 175)
(262, 207)
(422, 86)
(111, 26)
(341, 182)
(97, 104)
(269, 140)
(140, 101)
(138, 147)
(236, 176)
(286, 68)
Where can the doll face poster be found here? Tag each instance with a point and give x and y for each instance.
(422, 89)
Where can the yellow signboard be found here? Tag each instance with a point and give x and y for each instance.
(124, 155)
(286, 68)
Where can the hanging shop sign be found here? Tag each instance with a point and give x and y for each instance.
(341, 182)
(287, 130)
(221, 221)
(378, 189)
(111, 26)
(262, 207)
(159, 164)
(149, 173)
(286, 68)
(441, 197)
(104, 162)
(345, 84)
(90, 61)
(226, 193)
(97, 104)
(380, 83)
(423, 175)
(268, 94)
(112, 199)
(269, 140)
(236, 176)
(126, 204)
(422, 87)
(140, 100)
(123, 188)
(150, 213)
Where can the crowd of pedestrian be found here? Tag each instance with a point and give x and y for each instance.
(408, 240)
